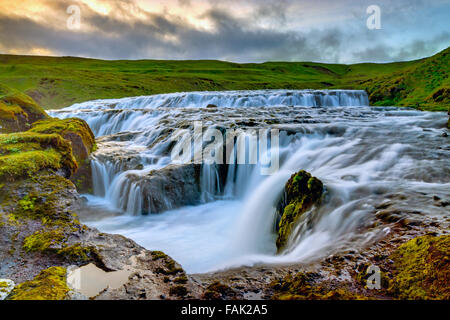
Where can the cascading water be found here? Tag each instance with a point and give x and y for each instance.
(216, 216)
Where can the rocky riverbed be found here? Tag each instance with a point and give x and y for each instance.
(384, 204)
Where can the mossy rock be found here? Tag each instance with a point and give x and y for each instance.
(43, 199)
(302, 191)
(82, 141)
(50, 284)
(75, 130)
(54, 241)
(301, 286)
(24, 154)
(178, 290)
(218, 291)
(18, 111)
(156, 255)
(422, 269)
(50, 144)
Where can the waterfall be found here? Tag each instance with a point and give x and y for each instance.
(149, 121)
(361, 154)
(254, 98)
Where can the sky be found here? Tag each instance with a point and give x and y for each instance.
(331, 31)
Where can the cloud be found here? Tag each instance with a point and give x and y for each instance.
(413, 50)
(266, 32)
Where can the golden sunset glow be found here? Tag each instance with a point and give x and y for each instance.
(254, 30)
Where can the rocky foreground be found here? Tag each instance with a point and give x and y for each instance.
(43, 244)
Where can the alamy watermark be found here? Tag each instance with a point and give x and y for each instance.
(374, 279)
(212, 146)
(374, 20)
(74, 19)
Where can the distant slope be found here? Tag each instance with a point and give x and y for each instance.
(425, 84)
(56, 82)
(17, 110)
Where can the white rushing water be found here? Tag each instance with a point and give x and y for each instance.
(216, 217)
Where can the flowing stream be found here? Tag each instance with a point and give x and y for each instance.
(214, 216)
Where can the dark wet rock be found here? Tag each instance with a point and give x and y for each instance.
(171, 187)
(124, 158)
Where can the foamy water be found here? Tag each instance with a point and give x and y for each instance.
(363, 155)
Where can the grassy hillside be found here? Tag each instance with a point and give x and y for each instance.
(425, 83)
(56, 82)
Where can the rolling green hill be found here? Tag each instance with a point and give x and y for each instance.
(57, 82)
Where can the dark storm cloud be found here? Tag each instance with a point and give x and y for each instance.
(232, 38)
(258, 36)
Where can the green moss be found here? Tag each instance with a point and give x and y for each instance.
(11, 96)
(43, 240)
(10, 112)
(182, 279)
(17, 110)
(50, 144)
(28, 163)
(170, 268)
(50, 284)
(69, 129)
(302, 191)
(302, 287)
(178, 290)
(54, 241)
(24, 154)
(13, 219)
(77, 252)
(422, 268)
(158, 255)
(39, 207)
(40, 200)
(218, 290)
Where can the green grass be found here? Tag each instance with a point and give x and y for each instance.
(57, 82)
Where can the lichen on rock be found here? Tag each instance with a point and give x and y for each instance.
(422, 269)
(50, 284)
(302, 286)
(302, 191)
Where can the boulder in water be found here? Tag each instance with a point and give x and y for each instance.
(302, 191)
(168, 188)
